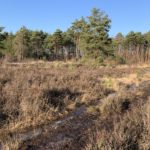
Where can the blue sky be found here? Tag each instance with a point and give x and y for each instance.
(48, 15)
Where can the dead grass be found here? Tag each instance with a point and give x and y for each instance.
(37, 93)
(124, 121)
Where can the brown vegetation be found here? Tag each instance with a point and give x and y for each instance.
(74, 106)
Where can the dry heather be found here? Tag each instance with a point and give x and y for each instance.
(71, 106)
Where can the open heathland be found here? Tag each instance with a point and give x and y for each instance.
(56, 105)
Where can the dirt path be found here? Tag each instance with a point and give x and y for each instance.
(61, 134)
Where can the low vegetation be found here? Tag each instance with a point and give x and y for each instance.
(55, 105)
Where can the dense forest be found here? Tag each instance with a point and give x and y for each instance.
(87, 38)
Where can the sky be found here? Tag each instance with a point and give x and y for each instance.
(49, 15)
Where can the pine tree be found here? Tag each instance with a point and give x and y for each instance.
(119, 42)
(78, 29)
(68, 44)
(21, 43)
(8, 44)
(57, 42)
(95, 39)
(1, 37)
(37, 43)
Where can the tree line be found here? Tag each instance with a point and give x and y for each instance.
(134, 47)
(87, 38)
